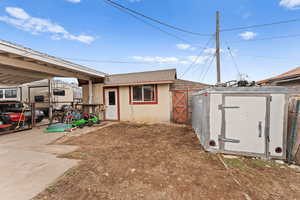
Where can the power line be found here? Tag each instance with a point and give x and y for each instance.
(260, 25)
(269, 38)
(233, 59)
(153, 19)
(268, 57)
(108, 61)
(209, 66)
(197, 57)
(149, 24)
(204, 65)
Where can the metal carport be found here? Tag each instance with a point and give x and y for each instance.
(19, 65)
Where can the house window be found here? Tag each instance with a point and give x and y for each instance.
(143, 94)
(39, 98)
(111, 98)
(59, 92)
(11, 93)
(1, 94)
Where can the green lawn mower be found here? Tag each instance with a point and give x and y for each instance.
(73, 121)
(89, 120)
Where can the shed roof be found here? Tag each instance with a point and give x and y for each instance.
(159, 76)
(248, 90)
(287, 75)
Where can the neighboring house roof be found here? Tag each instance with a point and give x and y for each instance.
(294, 73)
(159, 76)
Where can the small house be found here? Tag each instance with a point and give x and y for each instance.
(143, 96)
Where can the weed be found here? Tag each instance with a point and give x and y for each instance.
(235, 162)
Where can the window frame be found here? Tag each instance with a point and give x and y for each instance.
(59, 92)
(2, 94)
(143, 102)
(38, 99)
(12, 91)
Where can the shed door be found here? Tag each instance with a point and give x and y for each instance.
(245, 121)
(180, 106)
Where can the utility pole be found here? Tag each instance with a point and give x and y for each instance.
(218, 60)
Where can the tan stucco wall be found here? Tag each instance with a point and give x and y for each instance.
(97, 93)
(146, 112)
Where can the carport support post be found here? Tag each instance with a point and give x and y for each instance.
(90, 95)
(50, 100)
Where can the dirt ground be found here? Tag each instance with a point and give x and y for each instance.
(131, 161)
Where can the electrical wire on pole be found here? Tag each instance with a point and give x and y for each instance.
(260, 25)
(153, 19)
(149, 24)
(107, 61)
(203, 66)
(269, 38)
(208, 68)
(233, 60)
(196, 58)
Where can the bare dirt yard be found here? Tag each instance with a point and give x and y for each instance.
(132, 161)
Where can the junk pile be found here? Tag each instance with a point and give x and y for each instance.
(72, 119)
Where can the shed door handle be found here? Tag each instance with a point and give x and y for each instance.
(259, 129)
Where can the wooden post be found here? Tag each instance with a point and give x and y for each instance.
(90, 95)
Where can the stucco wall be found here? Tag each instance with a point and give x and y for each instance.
(146, 112)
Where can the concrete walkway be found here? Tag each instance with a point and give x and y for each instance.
(28, 165)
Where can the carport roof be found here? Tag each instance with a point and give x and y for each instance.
(20, 65)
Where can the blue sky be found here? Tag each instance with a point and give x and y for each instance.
(93, 30)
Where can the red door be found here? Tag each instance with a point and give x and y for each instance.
(180, 106)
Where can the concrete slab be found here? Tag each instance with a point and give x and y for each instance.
(28, 165)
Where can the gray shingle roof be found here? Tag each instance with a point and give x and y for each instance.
(159, 76)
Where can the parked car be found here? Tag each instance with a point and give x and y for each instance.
(18, 107)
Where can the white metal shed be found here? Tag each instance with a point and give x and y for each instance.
(246, 121)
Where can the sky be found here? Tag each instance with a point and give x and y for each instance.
(95, 34)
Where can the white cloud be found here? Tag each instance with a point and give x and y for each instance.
(290, 4)
(198, 59)
(22, 20)
(74, 1)
(161, 60)
(185, 47)
(174, 60)
(210, 51)
(248, 35)
(17, 13)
